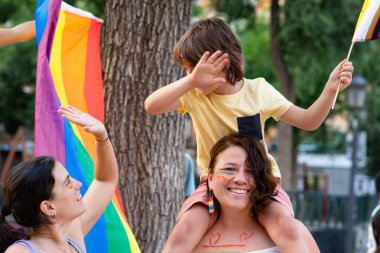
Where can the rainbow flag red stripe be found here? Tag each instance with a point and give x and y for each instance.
(69, 72)
(368, 25)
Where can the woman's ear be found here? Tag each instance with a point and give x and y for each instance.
(47, 208)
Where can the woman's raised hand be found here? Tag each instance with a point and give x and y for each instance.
(86, 121)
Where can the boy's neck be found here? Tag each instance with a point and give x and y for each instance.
(228, 88)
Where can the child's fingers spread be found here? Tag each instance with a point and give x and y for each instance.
(220, 59)
(222, 65)
(214, 57)
(204, 57)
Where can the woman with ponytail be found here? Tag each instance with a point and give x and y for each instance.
(44, 199)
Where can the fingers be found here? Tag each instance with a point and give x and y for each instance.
(345, 75)
(74, 110)
(86, 121)
(69, 116)
(220, 59)
(204, 57)
(214, 57)
(223, 64)
(72, 114)
(70, 109)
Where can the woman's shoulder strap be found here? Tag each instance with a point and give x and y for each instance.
(75, 244)
(28, 244)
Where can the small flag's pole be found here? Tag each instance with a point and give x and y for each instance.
(337, 91)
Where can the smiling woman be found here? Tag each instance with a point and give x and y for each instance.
(42, 197)
(242, 188)
(240, 185)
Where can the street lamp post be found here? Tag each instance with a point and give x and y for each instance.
(356, 99)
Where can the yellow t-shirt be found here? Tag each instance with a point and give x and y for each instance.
(245, 112)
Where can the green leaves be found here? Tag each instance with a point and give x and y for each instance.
(17, 82)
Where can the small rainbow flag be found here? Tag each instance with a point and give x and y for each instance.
(69, 72)
(368, 25)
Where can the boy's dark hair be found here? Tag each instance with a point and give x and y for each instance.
(211, 35)
(25, 187)
(257, 160)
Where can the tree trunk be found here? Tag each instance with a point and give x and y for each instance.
(138, 40)
(287, 151)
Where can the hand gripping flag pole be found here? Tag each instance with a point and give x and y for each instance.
(367, 28)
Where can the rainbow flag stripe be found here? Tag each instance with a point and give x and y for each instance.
(69, 72)
(368, 25)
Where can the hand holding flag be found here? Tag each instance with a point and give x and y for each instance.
(341, 76)
(367, 28)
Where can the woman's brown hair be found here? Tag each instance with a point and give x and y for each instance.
(211, 35)
(257, 161)
(25, 187)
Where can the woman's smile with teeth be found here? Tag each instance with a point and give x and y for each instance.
(238, 191)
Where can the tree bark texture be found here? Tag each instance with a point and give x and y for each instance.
(137, 58)
(287, 151)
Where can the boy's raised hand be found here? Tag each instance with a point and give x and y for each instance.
(86, 121)
(343, 74)
(205, 75)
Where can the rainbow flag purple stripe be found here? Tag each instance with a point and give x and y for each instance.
(368, 25)
(69, 72)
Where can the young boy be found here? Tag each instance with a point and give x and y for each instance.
(220, 102)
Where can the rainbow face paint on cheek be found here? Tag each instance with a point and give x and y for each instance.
(72, 187)
(223, 176)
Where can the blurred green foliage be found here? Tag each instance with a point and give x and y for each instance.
(17, 75)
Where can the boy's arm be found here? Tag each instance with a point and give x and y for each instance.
(310, 119)
(23, 32)
(203, 76)
(166, 99)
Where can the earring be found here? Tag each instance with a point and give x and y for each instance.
(52, 215)
(211, 208)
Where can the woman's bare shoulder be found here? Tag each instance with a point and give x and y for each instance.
(18, 248)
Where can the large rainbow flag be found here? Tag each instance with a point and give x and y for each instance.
(368, 25)
(69, 72)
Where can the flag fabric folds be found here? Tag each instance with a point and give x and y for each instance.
(368, 25)
(69, 72)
